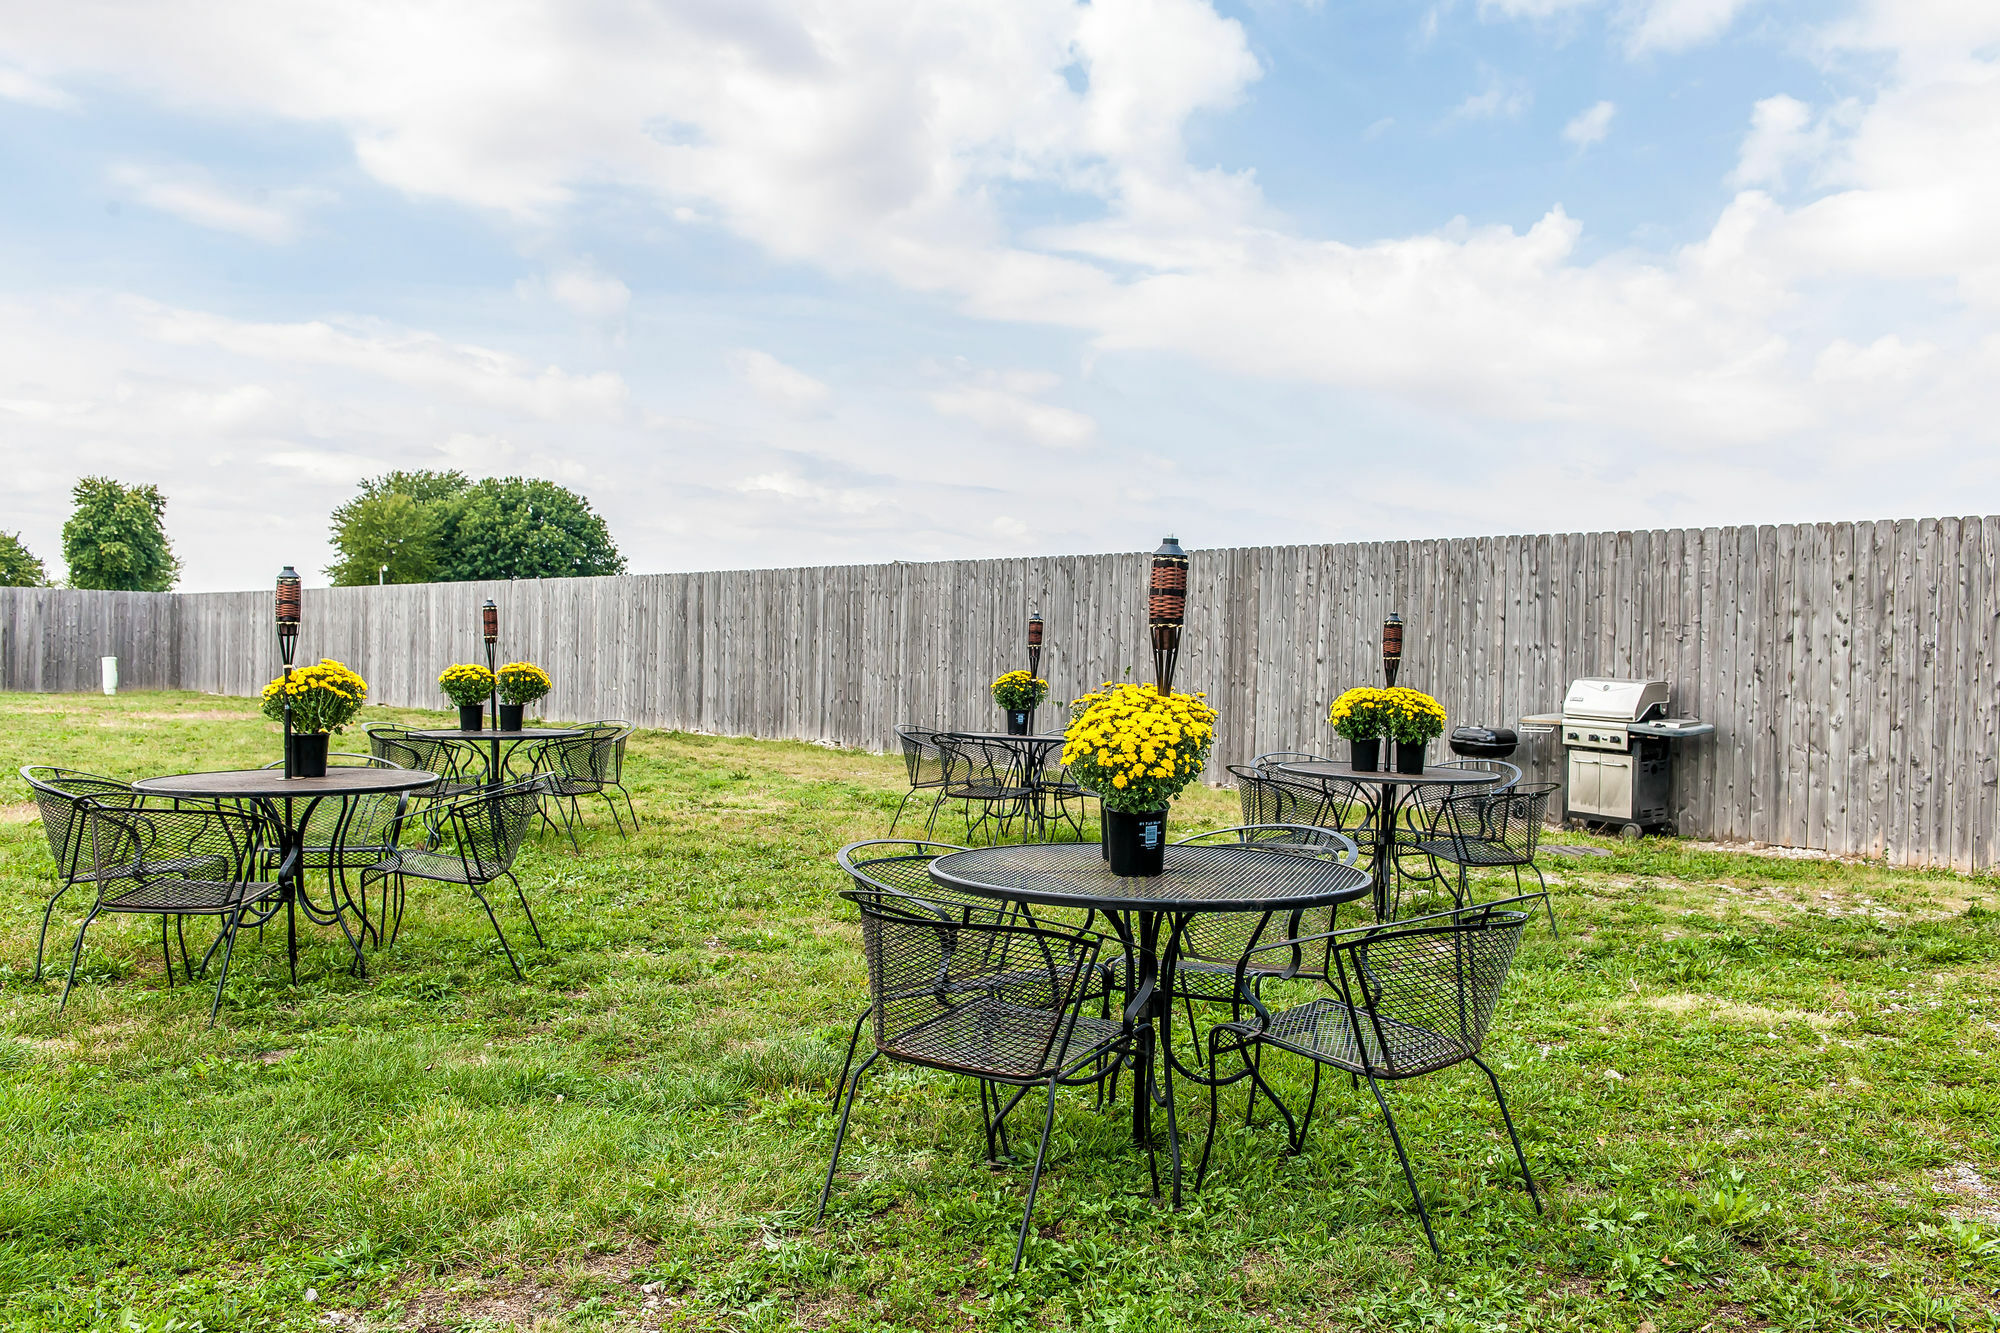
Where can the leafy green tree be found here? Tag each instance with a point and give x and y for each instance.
(525, 528)
(18, 566)
(398, 520)
(117, 538)
(422, 485)
(389, 536)
(442, 526)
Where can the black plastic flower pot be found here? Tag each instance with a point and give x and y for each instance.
(1365, 756)
(1136, 841)
(1018, 721)
(1410, 756)
(471, 717)
(510, 716)
(307, 752)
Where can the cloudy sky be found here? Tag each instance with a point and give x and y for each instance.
(815, 281)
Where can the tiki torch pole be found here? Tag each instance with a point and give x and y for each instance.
(288, 643)
(489, 629)
(1166, 610)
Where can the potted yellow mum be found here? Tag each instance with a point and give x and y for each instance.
(325, 697)
(1020, 694)
(1413, 720)
(1358, 717)
(1136, 749)
(521, 683)
(467, 685)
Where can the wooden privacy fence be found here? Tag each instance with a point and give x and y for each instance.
(1849, 667)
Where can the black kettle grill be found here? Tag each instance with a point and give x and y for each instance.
(1484, 742)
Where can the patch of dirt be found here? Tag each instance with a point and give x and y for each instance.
(1978, 1200)
(528, 1303)
(1717, 1010)
(1776, 852)
(522, 1305)
(19, 812)
(1776, 902)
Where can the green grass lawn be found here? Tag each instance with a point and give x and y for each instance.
(1759, 1092)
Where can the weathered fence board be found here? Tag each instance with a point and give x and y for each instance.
(1849, 668)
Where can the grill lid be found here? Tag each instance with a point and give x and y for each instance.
(1615, 700)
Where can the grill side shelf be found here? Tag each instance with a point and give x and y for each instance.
(1672, 728)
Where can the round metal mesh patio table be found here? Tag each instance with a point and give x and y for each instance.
(1148, 915)
(1210, 877)
(1390, 788)
(287, 804)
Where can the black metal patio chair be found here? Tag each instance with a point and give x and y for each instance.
(592, 764)
(473, 841)
(1409, 998)
(1335, 803)
(902, 867)
(983, 991)
(405, 749)
(987, 775)
(1056, 791)
(59, 793)
(1421, 821)
(1210, 948)
(925, 765)
(1494, 830)
(193, 858)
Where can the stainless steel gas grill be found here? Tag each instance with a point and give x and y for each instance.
(1619, 744)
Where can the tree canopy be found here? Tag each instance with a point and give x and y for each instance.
(117, 538)
(19, 568)
(443, 527)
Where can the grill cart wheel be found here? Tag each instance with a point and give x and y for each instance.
(1631, 832)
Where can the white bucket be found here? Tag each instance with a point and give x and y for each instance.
(109, 665)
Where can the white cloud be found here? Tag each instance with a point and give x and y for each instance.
(1008, 404)
(1677, 25)
(1648, 25)
(582, 288)
(188, 193)
(1781, 133)
(1500, 99)
(19, 86)
(405, 356)
(1591, 125)
(777, 383)
(1530, 9)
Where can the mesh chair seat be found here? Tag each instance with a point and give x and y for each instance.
(133, 869)
(420, 864)
(570, 784)
(987, 791)
(1204, 980)
(1324, 1030)
(991, 1036)
(1471, 851)
(187, 897)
